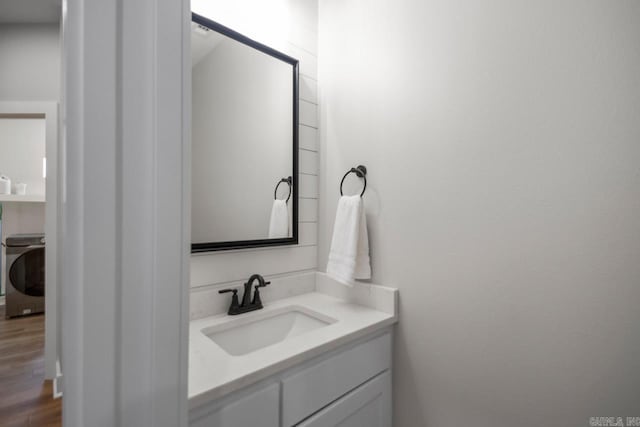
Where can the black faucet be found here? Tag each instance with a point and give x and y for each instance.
(247, 304)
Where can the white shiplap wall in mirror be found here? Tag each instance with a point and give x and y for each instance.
(290, 26)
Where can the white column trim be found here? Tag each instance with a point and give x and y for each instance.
(126, 213)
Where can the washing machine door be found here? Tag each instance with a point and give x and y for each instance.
(27, 273)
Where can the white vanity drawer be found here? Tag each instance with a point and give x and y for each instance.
(367, 406)
(311, 389)
(259, 408)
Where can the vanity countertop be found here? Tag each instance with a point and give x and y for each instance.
(358, 311)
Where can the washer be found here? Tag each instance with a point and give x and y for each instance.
(25, 274)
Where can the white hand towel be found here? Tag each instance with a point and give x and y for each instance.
(349, 254)
(279, 223)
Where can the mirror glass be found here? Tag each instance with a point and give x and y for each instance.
(244, 141)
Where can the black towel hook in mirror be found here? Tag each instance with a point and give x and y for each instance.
(288, 180)
(361, 172)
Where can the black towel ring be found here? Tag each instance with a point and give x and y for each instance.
(361, 172)
(288, 180)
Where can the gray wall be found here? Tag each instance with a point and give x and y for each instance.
(29, 71)
(30, 55)
(503, 145)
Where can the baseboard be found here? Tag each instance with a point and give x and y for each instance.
(57, 382)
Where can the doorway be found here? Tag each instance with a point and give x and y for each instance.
(30, 45)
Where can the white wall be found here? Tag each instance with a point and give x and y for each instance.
(291, 27)
(502, 142)
(22, 148)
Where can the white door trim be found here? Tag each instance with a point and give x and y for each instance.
(50, 111)
(126, 212)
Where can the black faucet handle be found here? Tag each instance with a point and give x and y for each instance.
(256, 294)
(235, 304)
(262, 285)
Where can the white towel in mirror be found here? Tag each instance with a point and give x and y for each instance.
(279, 223)
(349, 254)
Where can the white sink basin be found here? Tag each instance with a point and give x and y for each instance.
(248, 334)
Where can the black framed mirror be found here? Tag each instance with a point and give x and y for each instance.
(244, 180)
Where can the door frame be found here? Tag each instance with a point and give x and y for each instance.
(49, 109)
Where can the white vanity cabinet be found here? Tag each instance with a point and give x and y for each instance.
(258, 408)
(347, 387)
(367, 406)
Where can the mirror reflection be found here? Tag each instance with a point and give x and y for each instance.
(244, 132)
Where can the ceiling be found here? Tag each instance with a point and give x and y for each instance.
(30, 11)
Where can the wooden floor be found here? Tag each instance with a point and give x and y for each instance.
(25, 397)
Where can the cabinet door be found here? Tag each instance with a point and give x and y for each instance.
(259, 409)
(313, 388)
(367, 406)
